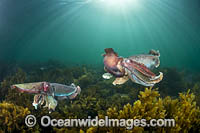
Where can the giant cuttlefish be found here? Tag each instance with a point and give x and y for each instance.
(46, 92)
(137, 68)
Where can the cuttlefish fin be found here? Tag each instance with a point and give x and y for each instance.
(72, 96)
(121, 80)
(62, 98)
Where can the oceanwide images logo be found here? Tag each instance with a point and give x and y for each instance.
(46, 121)
(30, 120)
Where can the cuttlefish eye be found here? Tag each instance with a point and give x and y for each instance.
(128, 61)
(46, 86)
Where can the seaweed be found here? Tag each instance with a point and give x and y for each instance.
(18, 77)
(173, 82)
(12, 117)
(151, 106)
(100, 98)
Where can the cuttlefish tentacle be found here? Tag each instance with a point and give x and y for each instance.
(137, 68)
(121, 80)
(140, 73)
(135, 79)
(138, 77)
(39, 99)
(114, 71)
(132, 65)
(51, 103)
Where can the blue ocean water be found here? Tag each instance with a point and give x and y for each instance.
(77, 31)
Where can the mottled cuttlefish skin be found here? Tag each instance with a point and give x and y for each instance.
(35, 88)
(112, 63)
(137, 68)
(150, 60)
(141, 76)
(64, 91)
(46, 92)
(133, 65)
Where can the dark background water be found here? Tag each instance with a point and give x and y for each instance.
(77, 31)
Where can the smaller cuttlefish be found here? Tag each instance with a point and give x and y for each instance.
(137, 68)
(46, 92)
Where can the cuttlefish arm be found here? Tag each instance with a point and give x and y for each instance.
(112, 63)
(121, 80)
(133, 65)
(39, 99)
(140, 74)
(139, 78)
(51, 103)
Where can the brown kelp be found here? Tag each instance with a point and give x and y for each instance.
(12, 117)
(100, 98)
(151, 106)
